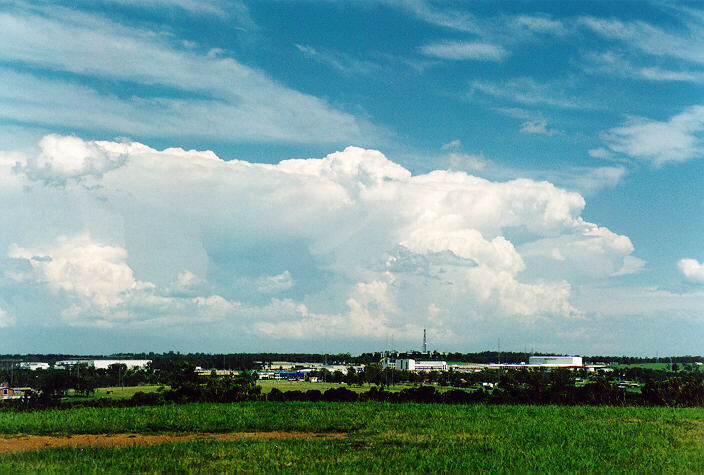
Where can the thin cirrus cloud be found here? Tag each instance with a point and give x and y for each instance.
(617, 65)
(465, 51)
(649, 39)
(212, 96)
(525, 91)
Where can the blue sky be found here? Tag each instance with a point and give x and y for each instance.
(206, 175)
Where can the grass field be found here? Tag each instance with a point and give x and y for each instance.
(377, 437)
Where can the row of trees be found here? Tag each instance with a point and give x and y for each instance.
(556, 389)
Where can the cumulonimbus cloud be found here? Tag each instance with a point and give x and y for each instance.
(350, 245)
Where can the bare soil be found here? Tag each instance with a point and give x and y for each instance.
(24, 443)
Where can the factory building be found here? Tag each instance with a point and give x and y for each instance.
(413, 365)
(32, 365)
(103, 364)
(555, 361)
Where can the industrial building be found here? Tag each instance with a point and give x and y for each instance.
(555, 361)
(413, 365)
(103, 364)
(32, 365)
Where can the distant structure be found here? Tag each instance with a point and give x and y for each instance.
(6, 392)
(103, 364)
(413, 365)
(425, 342)
(555, 361)
(535, 363)
(32, 365)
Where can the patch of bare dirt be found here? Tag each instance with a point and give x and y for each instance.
(24, 443)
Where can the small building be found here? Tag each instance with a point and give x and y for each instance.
(6, 392)
(220, 373)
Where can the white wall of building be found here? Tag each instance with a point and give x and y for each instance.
(555, 360)
(413, 365)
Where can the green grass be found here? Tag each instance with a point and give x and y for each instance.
(380, 437)
(283, 385)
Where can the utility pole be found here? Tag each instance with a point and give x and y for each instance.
(499, 348)
(392, 350)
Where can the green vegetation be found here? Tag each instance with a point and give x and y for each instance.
(379, 437)
(284, 385)
(116, 392)
(659, 366)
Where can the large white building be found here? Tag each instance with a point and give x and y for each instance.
(32, 365)
(413, 365)
(104, 364)
(555, 361)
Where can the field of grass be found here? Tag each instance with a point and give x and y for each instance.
(378, 437)
(283, 385)
(116, 392)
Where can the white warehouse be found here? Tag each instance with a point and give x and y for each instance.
(104, 364)
(413, 365)
(555, 361)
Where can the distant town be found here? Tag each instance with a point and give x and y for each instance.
(68, 376)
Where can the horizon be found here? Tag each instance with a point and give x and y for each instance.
(203, 175)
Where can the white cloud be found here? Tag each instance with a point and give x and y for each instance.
(658, 74)
(467, 161)
(186, 284)
(461, 161)
(692, 270)
(593, 179)
(460, 50)
(205, 95)
(371, 245)
(679, 139)
(452, 145)
(616, 64)
(600, 152)
(193, 6)
(5, 319)
(342, 62)
(650, 39)
(275, 283)
(62, 158)
(448, 18)
(79, 265)
(538, 127)
(539, 24)
(525, 91)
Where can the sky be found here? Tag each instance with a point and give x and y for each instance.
(336, 176)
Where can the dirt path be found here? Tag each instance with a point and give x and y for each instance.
(24, 443)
